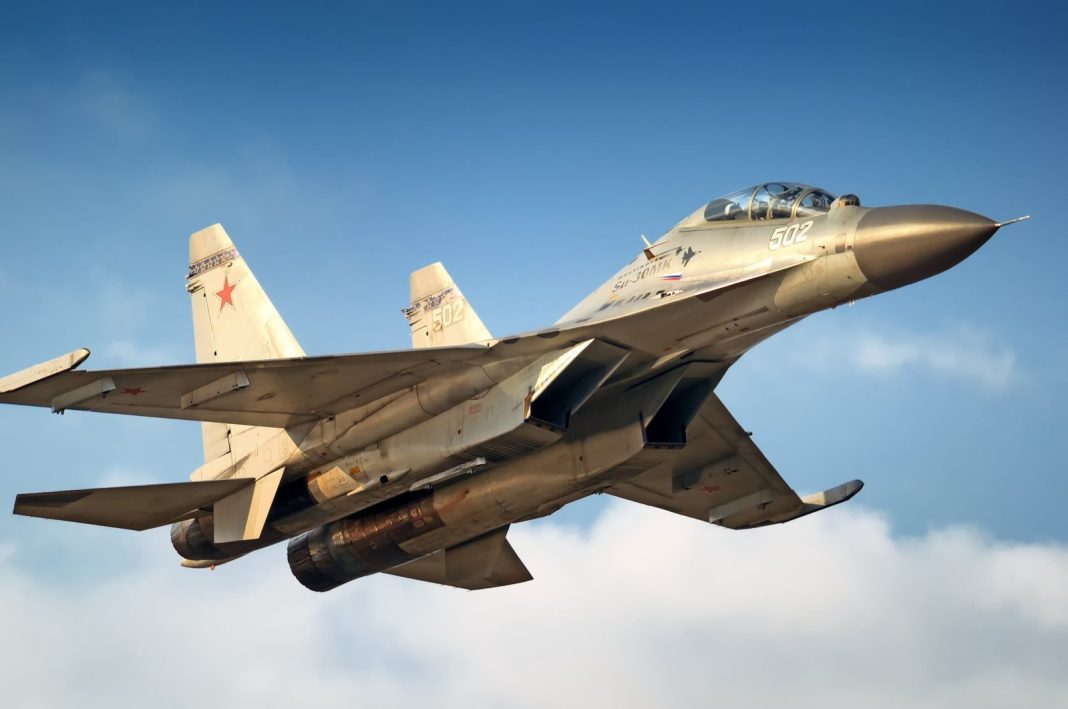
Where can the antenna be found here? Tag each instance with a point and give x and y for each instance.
(1006, 223)
(648, 250)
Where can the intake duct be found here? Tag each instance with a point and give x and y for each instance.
(360, 545)
(667, 427)
(593, 362)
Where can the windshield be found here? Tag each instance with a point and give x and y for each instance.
(771, 200)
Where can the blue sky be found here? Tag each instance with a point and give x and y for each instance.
(528, 146)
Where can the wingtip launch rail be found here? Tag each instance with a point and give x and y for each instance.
(44, 370)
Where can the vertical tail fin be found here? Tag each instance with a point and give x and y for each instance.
(233, 319)
(439, 314)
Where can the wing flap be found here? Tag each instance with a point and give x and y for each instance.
(136, 507)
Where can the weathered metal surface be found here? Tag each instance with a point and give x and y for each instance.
(329, 556)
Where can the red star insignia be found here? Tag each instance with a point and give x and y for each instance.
(133, 391)
(226, 295)
(712, 489)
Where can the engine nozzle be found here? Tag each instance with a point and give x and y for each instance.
(363, 544)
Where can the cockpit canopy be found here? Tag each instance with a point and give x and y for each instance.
(771, 200)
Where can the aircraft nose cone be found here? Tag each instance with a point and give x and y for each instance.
(895, 246)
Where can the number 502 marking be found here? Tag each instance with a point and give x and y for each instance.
(788, 235)
(447, 314)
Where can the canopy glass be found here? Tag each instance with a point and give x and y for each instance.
(771, 200)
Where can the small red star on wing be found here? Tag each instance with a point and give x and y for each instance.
(133, 391)
(226, 295)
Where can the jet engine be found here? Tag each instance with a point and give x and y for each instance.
(191, 538)
(363, 544)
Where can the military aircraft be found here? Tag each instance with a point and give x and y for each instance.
(416, 462)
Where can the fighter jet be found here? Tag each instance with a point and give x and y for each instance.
(416, 462)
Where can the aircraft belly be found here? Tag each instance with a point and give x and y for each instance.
(517, 489)
(528, 410)
(410, 528)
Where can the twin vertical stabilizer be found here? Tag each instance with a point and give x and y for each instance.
(439, 315)
(233, 319)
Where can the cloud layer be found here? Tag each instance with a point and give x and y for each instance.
(965, 354)
(960, 354)
(642, 609)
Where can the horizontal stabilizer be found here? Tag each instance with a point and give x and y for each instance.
(135, 507)
(486, 562)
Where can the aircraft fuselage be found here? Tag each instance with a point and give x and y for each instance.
(415, 462)
(761, 275)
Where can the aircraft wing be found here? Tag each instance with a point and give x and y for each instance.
(721, 477)
(276, 393)
(283, 392)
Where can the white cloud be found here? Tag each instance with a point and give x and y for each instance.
(965, 354)
(643, 609)
(960, 354)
